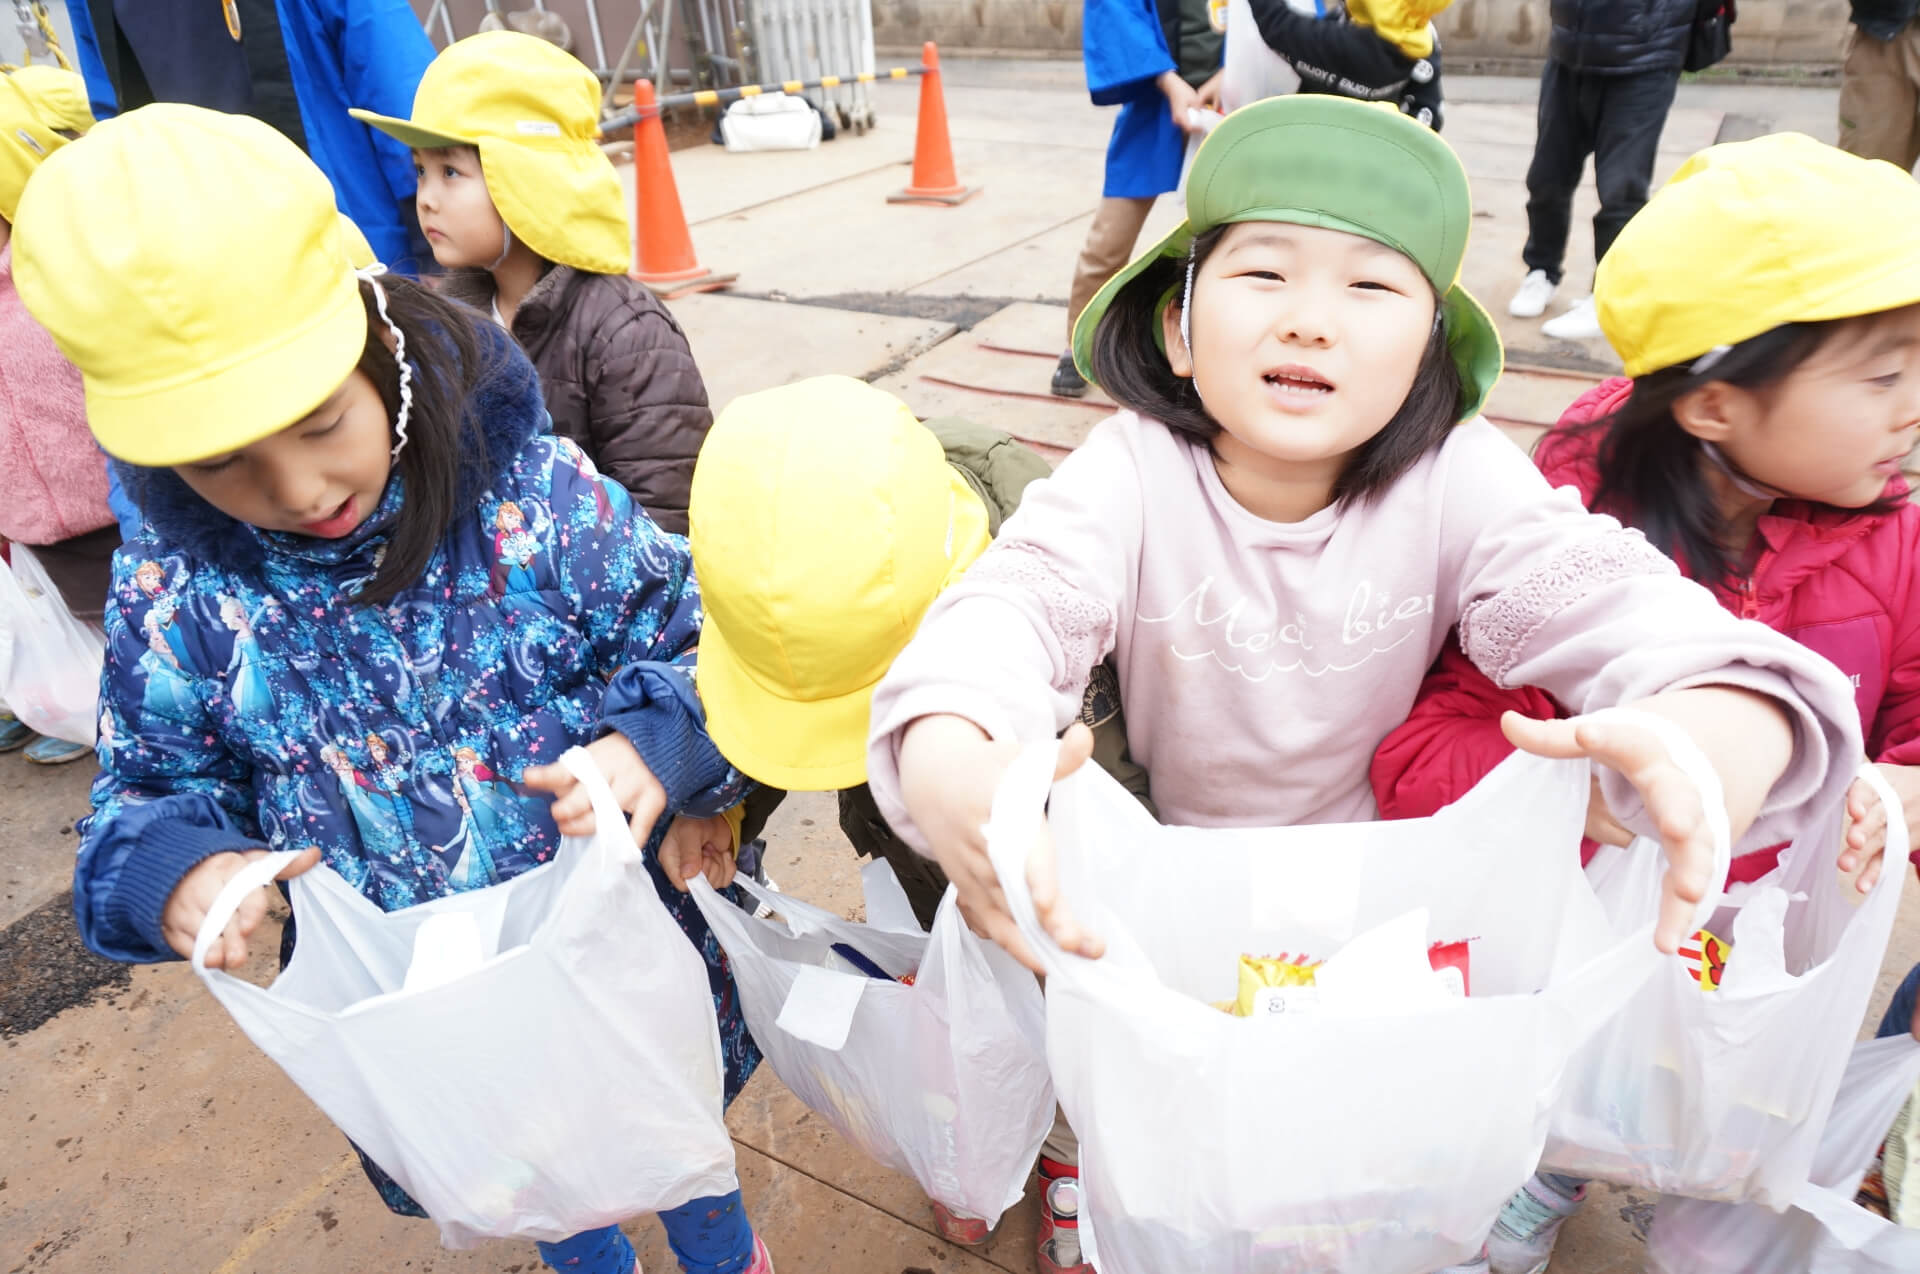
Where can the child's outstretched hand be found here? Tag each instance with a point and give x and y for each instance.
(1746, 736)
(187, 905)
(949, 770)
(696, 846)
(634, 787)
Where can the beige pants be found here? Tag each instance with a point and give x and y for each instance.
(1880, 97)
(1061, 1145)
(1110, 243)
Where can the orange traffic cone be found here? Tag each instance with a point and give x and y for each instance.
(663, 250)
(934, 180)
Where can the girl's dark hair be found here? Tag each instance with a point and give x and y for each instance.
(446, 444)
(1131, 365)
(1652, 471)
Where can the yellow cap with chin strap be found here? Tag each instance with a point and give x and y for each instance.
(533, 113)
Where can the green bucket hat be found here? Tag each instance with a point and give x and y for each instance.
(1331, 162)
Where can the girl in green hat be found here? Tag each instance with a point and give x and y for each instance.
(1294, 508)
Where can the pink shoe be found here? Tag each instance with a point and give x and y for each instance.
(967, 1231)
(762, 1259)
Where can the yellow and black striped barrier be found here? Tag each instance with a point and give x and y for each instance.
(721, 96)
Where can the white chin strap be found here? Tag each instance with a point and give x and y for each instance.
(506, 246)
(1186, 307)
(371, 275)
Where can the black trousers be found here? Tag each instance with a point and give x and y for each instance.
(1615, 118)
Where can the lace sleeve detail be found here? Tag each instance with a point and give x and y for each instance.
(1081, 625)
(1494, 631)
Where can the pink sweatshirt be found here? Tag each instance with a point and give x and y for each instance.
(1261, 663)
(53, 479)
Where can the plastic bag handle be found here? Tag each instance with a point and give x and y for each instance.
(578, 761)
(1692, 762)
(1020, 800)
(254, 875)
(607, 813)
(1899, 840)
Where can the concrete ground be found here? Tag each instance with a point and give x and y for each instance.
(142, 1132)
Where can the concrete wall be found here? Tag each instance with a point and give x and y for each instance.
(1794, 32)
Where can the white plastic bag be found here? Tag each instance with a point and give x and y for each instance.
(945, 1080)
(1825, 1232)
(1253, 71)
(572, 1081)
(770, 121)
(1722, 1094)
(49, 661)
(1383, 1142)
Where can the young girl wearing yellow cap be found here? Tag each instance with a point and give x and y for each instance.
(525, 211)
(1767, 306)
(1295, 506)
(53, 480)
(376, 600)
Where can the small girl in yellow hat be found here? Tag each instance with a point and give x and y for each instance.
(54, 495)
(1767, 306)
(376, 599)
(525, 212)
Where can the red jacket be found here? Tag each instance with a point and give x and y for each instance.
(1841, 584)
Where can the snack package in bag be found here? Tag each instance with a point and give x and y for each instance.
(1721, 1094)
(1380, 1132)
(944, 1079)
(1825, 1231)
(553, 1063)
(49, 661)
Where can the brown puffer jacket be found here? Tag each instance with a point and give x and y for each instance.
(618, 378)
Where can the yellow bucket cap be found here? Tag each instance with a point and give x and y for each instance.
(26, 139)
(193, 267)
(1748, 236)
(825, 520)
(533, 112)
(61, 96)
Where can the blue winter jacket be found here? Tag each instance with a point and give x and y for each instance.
(248, 701)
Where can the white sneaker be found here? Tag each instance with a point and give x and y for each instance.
(1579, 323)
(1531, 300)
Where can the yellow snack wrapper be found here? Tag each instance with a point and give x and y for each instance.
(1260, 972)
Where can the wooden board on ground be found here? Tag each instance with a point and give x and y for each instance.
(790, 341)
(1529, 400)
(997, 374)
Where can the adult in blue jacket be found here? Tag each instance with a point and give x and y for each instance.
(298, 65)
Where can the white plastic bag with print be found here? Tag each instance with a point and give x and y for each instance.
(1722, 1094)
(945, 1080)
(1825, 1232)
(49, 661)
(1381, 1139)
(568, 1077)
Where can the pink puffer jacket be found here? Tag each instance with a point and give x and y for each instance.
(53, 479)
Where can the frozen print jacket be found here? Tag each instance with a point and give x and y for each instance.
(248, 701)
